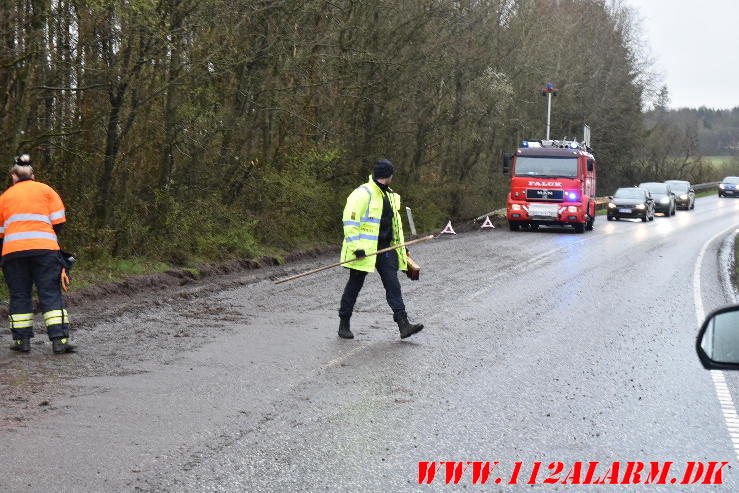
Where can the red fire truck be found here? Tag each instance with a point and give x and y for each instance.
(552, 184)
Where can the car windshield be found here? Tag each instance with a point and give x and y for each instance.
(731, 179)
(546, 167)
(681, 187)
(628, 193)
(660, 188)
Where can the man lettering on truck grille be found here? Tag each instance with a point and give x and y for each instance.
(31, 217)
(372, 222)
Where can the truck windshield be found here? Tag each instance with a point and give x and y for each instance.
(550, 167)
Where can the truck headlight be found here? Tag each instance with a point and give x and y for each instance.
(572, 208)
(516, 207)
(664, 200)
(611, 205)
(639, 206)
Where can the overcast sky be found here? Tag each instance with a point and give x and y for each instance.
(695, 44)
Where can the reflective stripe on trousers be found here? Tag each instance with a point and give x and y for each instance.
(21, 320)
(54, 317)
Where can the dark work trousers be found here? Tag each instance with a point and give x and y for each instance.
(387, 266)
(45, 272)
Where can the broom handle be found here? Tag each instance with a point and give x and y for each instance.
(407, 243)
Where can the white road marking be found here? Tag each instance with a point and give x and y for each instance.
(719, 380)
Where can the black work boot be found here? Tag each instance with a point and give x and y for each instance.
(61, 345)
(344, 331)
(407, 329)
(21, 345)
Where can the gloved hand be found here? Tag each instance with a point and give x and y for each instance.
(359, 253)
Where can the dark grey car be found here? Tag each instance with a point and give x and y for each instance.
(729, 187)
(664, 198)
(684, 194)
(631, 203)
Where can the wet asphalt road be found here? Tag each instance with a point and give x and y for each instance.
(538, 346)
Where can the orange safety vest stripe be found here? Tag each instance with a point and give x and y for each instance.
(28, 210)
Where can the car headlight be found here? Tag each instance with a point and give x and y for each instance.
(684, 196)
(516, 207)
(721, 186)
(611, 205)
(639, 206)
(664, 200)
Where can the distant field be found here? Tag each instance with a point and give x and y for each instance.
(720, 160)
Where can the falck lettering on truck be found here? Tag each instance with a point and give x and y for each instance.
(545, 183)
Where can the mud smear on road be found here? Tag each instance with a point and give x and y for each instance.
(120, 326)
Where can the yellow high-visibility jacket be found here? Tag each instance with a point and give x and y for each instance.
(361, 218)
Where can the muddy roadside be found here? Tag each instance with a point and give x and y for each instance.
(119, 327)
(133, 325)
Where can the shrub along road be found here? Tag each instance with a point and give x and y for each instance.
(538, 346)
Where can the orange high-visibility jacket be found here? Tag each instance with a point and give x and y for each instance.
(28, 210)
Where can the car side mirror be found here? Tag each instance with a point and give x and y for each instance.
(691, 189)
(590, 165)
(506, 162)
(718, 340)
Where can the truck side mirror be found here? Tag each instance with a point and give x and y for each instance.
(506, 162)
(590, 165)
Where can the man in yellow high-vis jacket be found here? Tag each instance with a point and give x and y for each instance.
(372, 222)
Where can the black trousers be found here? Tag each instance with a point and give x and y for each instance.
(45, 271)
(387, 266)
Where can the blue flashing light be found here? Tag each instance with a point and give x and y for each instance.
(550, 85)
(572, 196)
(524, 143)
(574, 145)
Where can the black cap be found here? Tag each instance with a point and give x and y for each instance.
(23, 160)
(383, 169)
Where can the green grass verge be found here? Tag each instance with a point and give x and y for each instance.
(720, 160)
(87, 273)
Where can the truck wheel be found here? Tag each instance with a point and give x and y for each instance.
(579, 228)
(514, 225)
(589, 224)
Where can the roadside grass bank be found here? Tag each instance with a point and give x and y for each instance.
(719, 161)
(93, 279)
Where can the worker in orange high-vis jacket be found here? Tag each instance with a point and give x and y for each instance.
(31, 218)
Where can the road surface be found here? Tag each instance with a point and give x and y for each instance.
(539, 346)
